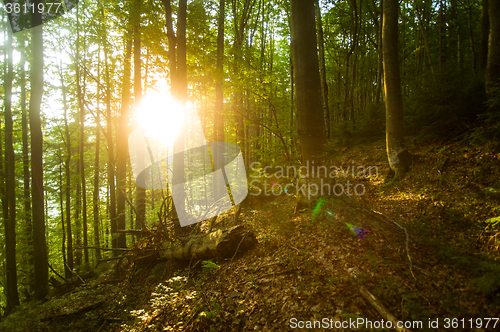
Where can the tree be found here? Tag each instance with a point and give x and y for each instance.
(37, 189)
(485, 32)
(178, 83)
(219, 78)
(322, 69)
(10, 186)
(398, 155)
(310, 119)
(68, 268)
(26, 170)
(122, 144)
(141, 192)
(493, 64)
(95, 194)
(81, 159)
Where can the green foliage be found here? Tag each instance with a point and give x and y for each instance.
(157, 271)
(209, 266)
(445, 106)
(489, 130)
(488, 283)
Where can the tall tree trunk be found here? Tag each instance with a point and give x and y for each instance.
(122, 145)
(352, 86)
(111, 155)
(181, 96)
(310, 119)
(10, 186)
(399, 157)
(424, 36)
(78, 221)
(493, 65)
(141, 192)
(380, 66)
(61, 206)
(485, 32)
(322, 69)
(471, 35)
(219, 96)
(178, 81)
(28, 230)
(81, 160)
(240, 21)
(292, 104)
(39, 242)
(68, 268)
(95, 194)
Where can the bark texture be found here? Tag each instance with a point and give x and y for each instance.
(37, 194)
(399, 157)
(310, 118)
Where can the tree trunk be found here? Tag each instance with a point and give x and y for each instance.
(111, 155)
(493, 65)
(10, 186)
(95, 194)
(81, 160)
(322, 69)
(78, 221)
(310, 119)
(399, 158)
(181, 95)
(28, 229)
(471, 35)
(39, 242)
(240, 21)
(141, 192)
(485, 32)
(61, 206)
(219, 96)
(424, 36)
(122, 146)
(68, 268)
(380, 66)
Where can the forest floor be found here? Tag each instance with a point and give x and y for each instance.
(430, 253)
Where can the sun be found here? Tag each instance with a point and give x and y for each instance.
(161, 117)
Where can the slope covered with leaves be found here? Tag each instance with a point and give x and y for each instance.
(429, 250)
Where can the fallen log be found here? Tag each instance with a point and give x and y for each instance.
(223, 243)
(381, 309)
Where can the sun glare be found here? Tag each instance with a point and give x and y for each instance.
(161, 117)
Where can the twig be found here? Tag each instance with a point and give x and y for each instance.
(189, 268)
(407, 240)
(293, 248)
(380, 308)
(107, 259)
(401, 227)
(238, 247)
(57, 274)
(263, 266)
(105, 249)
(74, 272)
(279, 135)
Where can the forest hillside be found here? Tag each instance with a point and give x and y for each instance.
(213, 165)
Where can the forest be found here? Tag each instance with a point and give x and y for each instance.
(213, 165)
